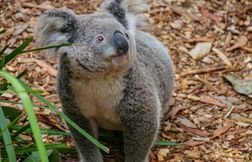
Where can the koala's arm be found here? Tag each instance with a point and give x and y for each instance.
(139, 111)
(88, 151)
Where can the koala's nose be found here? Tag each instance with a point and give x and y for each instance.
(120, 43)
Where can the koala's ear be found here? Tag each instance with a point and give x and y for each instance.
(55, 27)
(126, 11)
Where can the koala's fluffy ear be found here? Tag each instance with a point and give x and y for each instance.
(55, 27)
(127, 12)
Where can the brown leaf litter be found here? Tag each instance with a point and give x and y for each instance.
(209, 118)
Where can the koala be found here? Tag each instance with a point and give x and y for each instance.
(114, 76)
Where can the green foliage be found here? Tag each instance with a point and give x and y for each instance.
(12, 146)
(7, 137)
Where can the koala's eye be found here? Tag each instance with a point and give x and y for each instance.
(127, 36)
(100, 38)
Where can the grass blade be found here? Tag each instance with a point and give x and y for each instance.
(43, 131)
(19, 131)
(7, 138)
(4, 85)
(68, 120)
(166, 143)
(47, 47)
(3, 50)
(17, 51)
(30, 113)
(33, 148)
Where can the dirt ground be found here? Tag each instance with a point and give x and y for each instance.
(209, 118)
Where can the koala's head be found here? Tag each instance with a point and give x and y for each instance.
(102, 42)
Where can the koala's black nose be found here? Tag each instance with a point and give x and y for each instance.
(120, 43)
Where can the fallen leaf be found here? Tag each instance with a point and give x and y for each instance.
(195, 131)
(206, 15)
(187, 122)
(222, 130)
(193, 142)
(213, 101)
(44, 6)
(20, 29)
(49, 121)
(205, 139)
(183, 12)
(200, 50)
(201, 119)
(240, 86)
(207, 100)
(174, 111)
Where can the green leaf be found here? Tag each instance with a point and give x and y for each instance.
(43, 131)
(32, 148)
(68, 120)
(7, 138)
(5, 85)
(3, 50)
(48, 47)
(17, 51)
(11, 113)
(30, 113)
(23, 73)
(22, 129)
(166, 143)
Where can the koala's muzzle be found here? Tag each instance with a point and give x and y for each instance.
(120, 42)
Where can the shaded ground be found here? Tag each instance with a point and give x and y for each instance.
(211, 120)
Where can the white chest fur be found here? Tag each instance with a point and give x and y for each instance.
(98, 100)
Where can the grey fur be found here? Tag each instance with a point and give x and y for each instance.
(100, 88)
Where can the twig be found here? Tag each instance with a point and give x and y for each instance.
(44, 7)
(209, 85)
(205, 100)
(248, 49)
(49, 68)
(229, 111)
(207, 70)
(222, 56)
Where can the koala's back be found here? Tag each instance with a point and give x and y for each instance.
(155, 58)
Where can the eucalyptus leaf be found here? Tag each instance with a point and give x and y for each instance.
(241, 86)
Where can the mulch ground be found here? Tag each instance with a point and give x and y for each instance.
(210, 119)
